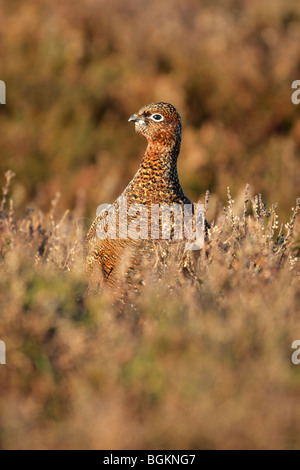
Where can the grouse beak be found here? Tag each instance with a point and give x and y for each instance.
(133, 118)
(136, 118)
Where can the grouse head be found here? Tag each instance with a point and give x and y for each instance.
(159, 123)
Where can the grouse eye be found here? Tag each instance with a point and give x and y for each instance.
(157, 117)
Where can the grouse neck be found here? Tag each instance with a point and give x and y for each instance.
(162, 157)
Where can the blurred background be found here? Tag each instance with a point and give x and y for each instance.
(75, 72)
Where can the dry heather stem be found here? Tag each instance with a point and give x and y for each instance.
(206, 339)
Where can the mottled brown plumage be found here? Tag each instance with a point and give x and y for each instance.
(155, 182)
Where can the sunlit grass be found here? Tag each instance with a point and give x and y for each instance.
(203, 360)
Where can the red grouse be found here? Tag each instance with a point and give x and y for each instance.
(156, 182)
